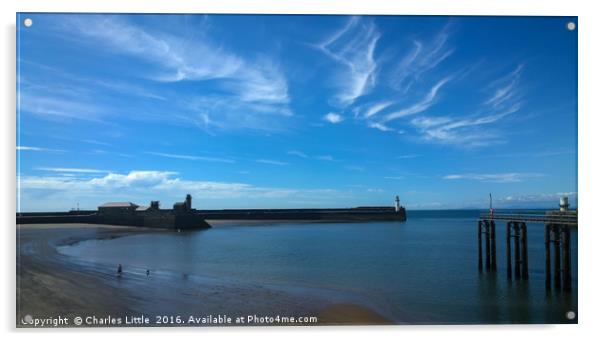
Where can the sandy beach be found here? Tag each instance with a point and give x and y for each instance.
(52, 285)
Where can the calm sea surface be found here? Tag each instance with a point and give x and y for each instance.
(421, 271)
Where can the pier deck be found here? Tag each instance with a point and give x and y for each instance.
(547, 218)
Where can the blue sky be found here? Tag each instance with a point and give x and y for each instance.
(296, 111)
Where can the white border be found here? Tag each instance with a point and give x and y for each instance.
(589, 160)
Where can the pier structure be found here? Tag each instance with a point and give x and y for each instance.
(557, 236)
(486, 228)
(517, 231)
(182, 216)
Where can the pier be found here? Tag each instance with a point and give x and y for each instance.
(183, 217)
(557, 240)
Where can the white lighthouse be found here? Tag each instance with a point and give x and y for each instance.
(397, 207)
(564, 204)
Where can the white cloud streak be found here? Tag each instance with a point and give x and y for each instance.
(272, 162)
(507, 90)
(191, 157)
(467, 131)
(493, 177)
(72, 170)
(379, 126)
(353, 46)
(303, 155)
(59, 108)
(423, 56)
(425, 103)
(249, 87)
(376, 108)
(38, 149)
(408, 156)
(394, 177)
(325, 158)
(298, 153)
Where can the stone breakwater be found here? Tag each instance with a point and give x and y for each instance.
(197, 219)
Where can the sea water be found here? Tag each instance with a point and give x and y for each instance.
(423, 270)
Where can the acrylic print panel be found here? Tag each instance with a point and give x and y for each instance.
(244, 170)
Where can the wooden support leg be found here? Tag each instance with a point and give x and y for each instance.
(487, 246)
(525, 258)
(547, 232)
(508, 251)
(493, 247)
(557, 257)
(479, 234)
(566, 259)
(517, 257)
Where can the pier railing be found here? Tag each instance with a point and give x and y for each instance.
(547, 218)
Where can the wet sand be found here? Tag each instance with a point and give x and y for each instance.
(50, 284)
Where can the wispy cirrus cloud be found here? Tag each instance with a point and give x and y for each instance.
(461, 131)
(272, 162)
(467, 130)
(298, 153)
(72, 170)
(376, 108)
(191, 157)
(55, 95)
(303, 155)
(100, 143)
(325, 158)
(379, 126)
(251, 81)
(249, 89)
(506, 88)
(353, 46)
(493, 177)
(73, 85)
(60, 108)
(537, 154)
(399, 177)
(39, 149)
(224, 113)
(424, 56)
(408, 156)
(422, 105)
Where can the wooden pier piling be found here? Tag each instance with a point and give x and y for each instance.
(487, 228)
(508, 250)
(547, 232)
(493, 248)
(560, 236)
(517, 262)
(517, 231)
(487, 247)
(566, 260)
(524, 254)
(479, 238)
(556, 241)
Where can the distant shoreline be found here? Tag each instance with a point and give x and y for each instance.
(51, 284)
